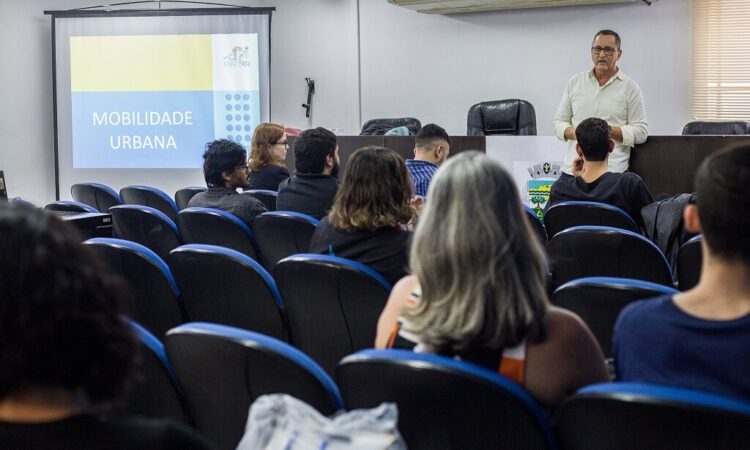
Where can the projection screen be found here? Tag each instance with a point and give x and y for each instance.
(138, 93)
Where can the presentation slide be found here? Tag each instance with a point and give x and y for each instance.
(153, 101)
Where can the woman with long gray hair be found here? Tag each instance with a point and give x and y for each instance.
(477, 291)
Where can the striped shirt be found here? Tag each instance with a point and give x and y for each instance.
(421, 173)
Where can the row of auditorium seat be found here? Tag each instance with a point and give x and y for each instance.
(518, 117)
(324, 305)
(208, 376)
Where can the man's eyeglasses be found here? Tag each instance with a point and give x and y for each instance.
(242, 166)
(609, 51)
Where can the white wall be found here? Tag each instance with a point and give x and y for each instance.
(431, 67)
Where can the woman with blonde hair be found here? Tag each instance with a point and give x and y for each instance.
(267, 156)
(478, 293)
(369, 213)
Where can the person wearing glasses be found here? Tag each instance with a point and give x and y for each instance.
(314, 185)
(267, 156)
(225, 170)
(606, 93)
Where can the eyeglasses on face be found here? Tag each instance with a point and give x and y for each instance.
(243, 166)
(609, 51)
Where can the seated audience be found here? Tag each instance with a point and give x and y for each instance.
(478, 288)
(225, 169)
(700, 338)
(368, 216)
(312, 187)
(593, 181)
(431, 148)
(267, 156)
(66, 353)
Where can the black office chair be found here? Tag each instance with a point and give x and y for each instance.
(63, 206)
(332, 303)
(512, 116)
(183, 196)
(146, 226)
(444, 403)
(268, 198)
(157, 304)
(599, 300)
(154, 392)
(378, 127)
(716, 128)
(536, 224)
(216, 227)
(616, 416)
(150, 196)
(689, 262)
(224, 369)
(594, 251)
(573, 213)
(224, 286)
(100, 196)
(283, 233)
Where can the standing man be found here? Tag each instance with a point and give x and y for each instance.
(607, 93)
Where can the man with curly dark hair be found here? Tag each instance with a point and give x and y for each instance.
(225, 169)
(65, 351)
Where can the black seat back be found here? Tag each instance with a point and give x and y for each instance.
(283, 233)
(224, 286)
(216, 227)
(573, 213)
(150, 196)
(100, 196)
(689, 262)
(333, 305)
(183, 196)
(146, 226)
(599, 300)
(444, 403)
(378, 127)
(157, 299)
(593, 251)
(511, 116)
(268, 198)
(717, 128)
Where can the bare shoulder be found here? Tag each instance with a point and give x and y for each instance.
(565, 325)
(397, 301)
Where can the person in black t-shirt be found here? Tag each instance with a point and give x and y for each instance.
(314, 185)
(368, 217)
(66, 351)
(592, 180)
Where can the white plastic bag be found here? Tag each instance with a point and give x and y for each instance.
(281, 422)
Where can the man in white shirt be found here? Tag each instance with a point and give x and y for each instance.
(607, 93)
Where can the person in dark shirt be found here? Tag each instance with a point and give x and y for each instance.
(700, 338)
(367, 220)
(592, 180)
(225, 169)
(66, 352)
(267, 156)
(314, 185)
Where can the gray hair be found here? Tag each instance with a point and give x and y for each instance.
(480, 267)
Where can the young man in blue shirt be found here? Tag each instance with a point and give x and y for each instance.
(700, 339)
(432, 147)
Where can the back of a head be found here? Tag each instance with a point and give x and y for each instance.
(311, 149)
(60, 323)
(479, 266)
(593, 135)
(221, 155)
(723, 201)
(264, 138)
(375, 192)
(429, 136)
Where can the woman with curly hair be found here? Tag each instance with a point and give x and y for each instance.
(367, 222)
(478, 293)
(267, 156)
(65, 351)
